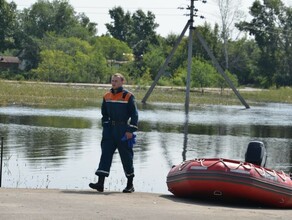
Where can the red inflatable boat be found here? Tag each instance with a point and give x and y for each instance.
(231, 180)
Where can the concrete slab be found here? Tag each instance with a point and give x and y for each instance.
(89, 204)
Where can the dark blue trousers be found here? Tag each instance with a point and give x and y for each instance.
(111, 140)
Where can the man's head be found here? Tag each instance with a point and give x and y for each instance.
(117, 80)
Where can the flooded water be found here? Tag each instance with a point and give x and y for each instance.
(60, 148)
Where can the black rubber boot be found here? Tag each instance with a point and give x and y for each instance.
(130, 187)
(99, 185)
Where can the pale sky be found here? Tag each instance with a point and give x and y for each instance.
(167, 15)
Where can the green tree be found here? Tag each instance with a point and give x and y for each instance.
(202, 74)
(211, 36)
(179, 77)
(8, 25)
(205, 75)
(121, 26)
(70, 60)
(69, 45)
(55, 66)
(143, 32)
(153, 60)
(244, 55)
(137, 30)
(45, 17)
(178, 61)
(220, 82)
(272, 29)
(85, 22)
(57, 16)
(112, 48)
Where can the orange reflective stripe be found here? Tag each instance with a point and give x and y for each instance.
(110, 97)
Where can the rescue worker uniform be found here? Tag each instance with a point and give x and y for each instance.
(117, 108)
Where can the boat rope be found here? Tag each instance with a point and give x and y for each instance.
(242, 164)
(220, 160)
(263, 172)
(274, 174)
(283, 178)
(258, 170)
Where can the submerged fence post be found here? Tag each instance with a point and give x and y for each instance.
(1, 161)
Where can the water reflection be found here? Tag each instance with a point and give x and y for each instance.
(59, 148)
(186, 132)
(259, 131)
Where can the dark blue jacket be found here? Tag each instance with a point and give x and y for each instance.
(118, 107)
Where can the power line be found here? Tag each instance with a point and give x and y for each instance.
(176, 12)
(107, 7)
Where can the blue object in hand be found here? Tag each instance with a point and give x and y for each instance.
(131, 141)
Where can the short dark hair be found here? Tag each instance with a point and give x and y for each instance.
(120, 76)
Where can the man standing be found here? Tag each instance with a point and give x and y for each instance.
(117, 108)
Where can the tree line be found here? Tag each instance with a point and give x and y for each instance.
(59, 45)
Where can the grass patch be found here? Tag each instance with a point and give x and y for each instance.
(80, 95)
(40, 94)
(281, 95)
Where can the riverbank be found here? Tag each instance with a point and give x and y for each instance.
(81, 94)
(87, 204)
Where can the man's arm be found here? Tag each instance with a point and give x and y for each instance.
(104, 113)
(133, 126)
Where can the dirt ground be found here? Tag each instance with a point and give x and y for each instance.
(88, 204)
